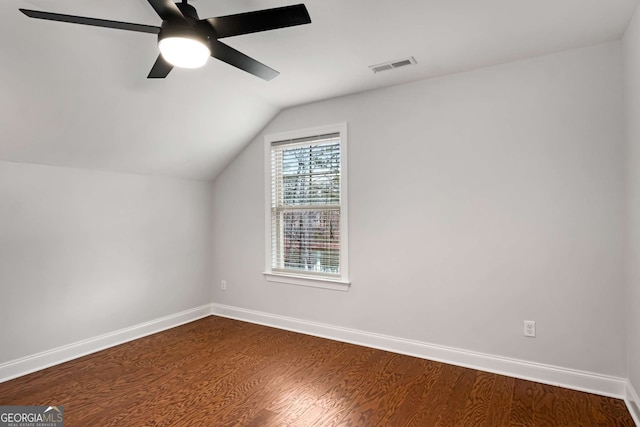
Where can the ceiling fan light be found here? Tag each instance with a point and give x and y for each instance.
(185, 52)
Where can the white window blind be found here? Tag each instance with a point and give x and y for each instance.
(306, 205)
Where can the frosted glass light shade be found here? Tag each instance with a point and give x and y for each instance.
(184, 52)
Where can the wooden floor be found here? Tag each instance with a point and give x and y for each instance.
(221, 372)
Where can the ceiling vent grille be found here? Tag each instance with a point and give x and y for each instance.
(392, 65)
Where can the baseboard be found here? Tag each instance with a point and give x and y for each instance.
(36, 362)
(553, 375)
(633, 403)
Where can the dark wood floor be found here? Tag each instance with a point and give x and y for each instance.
(221, 372)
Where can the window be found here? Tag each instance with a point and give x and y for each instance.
(306, 207)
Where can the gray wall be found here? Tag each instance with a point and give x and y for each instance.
(83, 253)
(631, 46)
(477, 200)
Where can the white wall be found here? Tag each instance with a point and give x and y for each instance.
(83, 253)
(477, 200)
(631, 46)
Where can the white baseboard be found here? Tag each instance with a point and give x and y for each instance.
(36, 362)
(553, 375)
(547, 374)
(633, 403)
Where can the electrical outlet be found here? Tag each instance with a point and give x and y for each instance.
(223, 285)
(530, 328)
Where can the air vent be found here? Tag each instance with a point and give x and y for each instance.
(392, 65)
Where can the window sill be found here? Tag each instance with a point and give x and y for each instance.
(314, 282)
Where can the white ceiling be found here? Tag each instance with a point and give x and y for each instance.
(77, 96)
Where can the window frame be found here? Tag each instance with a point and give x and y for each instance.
(340, 282)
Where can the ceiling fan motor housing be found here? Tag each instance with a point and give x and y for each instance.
(188, 27)
(189, 12)
(177, 29)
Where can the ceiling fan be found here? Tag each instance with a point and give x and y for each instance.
(187, 41)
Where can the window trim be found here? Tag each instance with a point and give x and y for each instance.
(335, 283)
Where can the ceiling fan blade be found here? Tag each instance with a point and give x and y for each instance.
(166, 9)
(231, 56)
(91, 21)
(160, 69)
(259, 20)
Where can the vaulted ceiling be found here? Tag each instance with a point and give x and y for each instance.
(78, 96)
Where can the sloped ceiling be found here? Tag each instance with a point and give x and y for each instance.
(77, 96)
